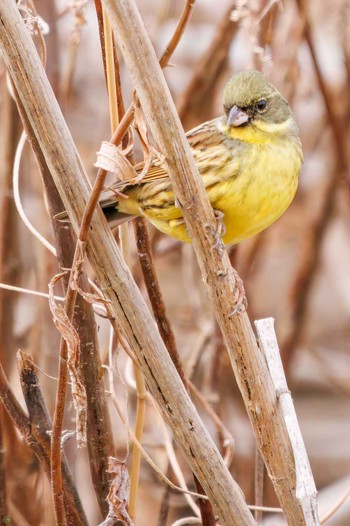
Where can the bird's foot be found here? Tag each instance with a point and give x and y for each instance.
(241, 302)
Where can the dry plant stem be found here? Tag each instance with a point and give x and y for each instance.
(57, 425)
(13, 407)
(145, 255)
(100, 441)
(258, 485)
(139, 427)
(306, 492)
(33, 431)
(180, 28)
(248, 362)
(99, 14)
(126, 303)
(196, 102)
(110, 72)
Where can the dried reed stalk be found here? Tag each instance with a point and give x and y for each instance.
(126, 302)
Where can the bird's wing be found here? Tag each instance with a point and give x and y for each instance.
(201, 138)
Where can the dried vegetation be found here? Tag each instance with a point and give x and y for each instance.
(88, 381)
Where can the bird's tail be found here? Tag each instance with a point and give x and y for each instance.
(110, 210)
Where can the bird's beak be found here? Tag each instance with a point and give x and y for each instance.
(237, 117)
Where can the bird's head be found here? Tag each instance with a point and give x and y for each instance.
(251, 101)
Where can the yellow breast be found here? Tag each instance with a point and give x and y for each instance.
(262, 192)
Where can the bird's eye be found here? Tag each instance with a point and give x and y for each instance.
(261, 105)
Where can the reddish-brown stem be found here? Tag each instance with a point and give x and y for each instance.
(179, 30)
(145, 255)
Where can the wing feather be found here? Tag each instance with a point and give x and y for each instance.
(201, 138)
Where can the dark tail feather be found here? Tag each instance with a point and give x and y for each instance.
(113, 217)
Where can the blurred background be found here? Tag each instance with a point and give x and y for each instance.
(296, 272)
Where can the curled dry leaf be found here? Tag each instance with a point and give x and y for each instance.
(70, 336)
(118, 495)
(113, 159)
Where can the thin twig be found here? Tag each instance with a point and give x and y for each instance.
(324, 518)
(180, 28)
(259, 472)
(145, 255)
(144, 454)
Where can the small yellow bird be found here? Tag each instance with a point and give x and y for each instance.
(249, 160)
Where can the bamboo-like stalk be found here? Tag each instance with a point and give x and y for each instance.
(126, 303)
(247, 361)
(139, 427)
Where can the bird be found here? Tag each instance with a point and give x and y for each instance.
(249, 160)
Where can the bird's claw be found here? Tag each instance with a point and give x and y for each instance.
(241, 302)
